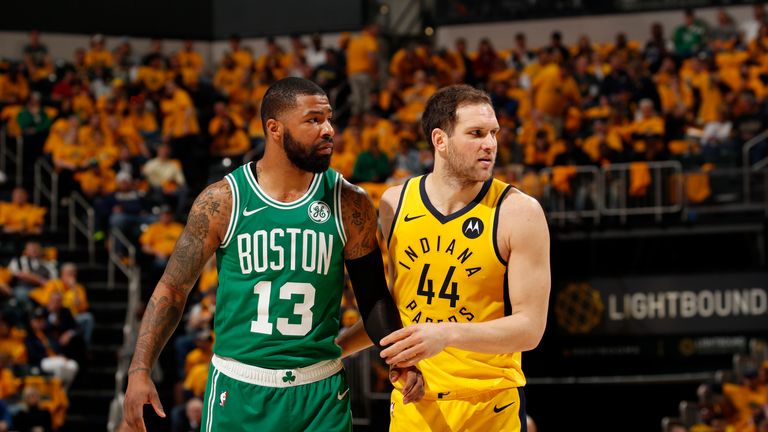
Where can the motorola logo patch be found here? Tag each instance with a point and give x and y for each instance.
(472, 228)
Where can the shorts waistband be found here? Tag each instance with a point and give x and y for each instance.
(276, 377)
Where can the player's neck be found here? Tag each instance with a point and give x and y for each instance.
(280, 179)
(448, 193)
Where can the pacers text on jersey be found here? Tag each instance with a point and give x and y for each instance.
(285, 249)
(433, 286)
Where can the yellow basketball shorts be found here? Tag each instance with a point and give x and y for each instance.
(495, 410)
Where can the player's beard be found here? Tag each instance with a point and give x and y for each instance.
(305, 158)
(466, 170)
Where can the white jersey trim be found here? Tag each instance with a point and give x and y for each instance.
(316, 180)
(337, 185)
(234, 215)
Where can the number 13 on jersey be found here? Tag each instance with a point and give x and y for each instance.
(303, 309)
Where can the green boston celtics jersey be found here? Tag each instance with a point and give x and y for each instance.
(281, 273)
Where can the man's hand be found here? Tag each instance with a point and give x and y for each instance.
(414, 343)
(413, 388)
(141, 391)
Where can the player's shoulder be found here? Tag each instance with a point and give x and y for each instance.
(215, 200)
(219, 190)
(353, 192)
(517, 205)
(392, 195)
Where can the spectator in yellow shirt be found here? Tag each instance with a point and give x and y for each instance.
(202, 353)
(189, 58)
(344, 158)
(230, 78)
(231, 142)
(95, 180)
(19, 216)
(415, 97)
(604, 145)
(221, 111)
(406, 61)
(12, 342)
(381, 129)
(153, 75)
(73, 297)
(242, 56)
(37, 61)
(553, 89)
(647, 131)
(166, 180)
(97, 55)
(160, 237)
(9, 384)
(180, 119)
(362, 67)
(14, 88)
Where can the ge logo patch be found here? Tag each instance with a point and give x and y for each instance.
(319, 211)
(472, 228)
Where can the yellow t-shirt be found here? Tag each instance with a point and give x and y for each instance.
(162, 237)
(179, 115)
(359, 50)
(196, 380)
(98, 57)
(73, 298)
(24, 218)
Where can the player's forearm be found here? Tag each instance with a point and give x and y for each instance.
(161, 318)
(354, 340)
(515, 333)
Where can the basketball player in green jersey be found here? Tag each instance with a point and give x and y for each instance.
(283, 229)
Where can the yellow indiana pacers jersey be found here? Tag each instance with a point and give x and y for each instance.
(448, 268)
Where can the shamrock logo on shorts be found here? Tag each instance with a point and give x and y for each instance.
(289, 377)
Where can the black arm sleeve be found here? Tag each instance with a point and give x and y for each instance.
(380, 315)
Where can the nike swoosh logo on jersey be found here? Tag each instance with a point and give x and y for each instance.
(409, 218)
(341, 395)
(497, 409)
(248, 213)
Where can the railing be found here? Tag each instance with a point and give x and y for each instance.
(728, 193)
(87, 228)
(131, 326)
(14, 156)
(573, 194)
(617, 197)
(746, 154)
(51, 192)
(591, 193)
(116, 261)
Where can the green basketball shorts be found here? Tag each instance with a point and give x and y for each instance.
(240, 397)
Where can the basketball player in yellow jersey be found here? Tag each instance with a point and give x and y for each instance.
(470, 265)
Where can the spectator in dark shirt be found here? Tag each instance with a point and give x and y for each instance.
(656, 48)
(32, 417)
(372, 165)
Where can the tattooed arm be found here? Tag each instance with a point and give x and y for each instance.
(364, 264)
(366, 272)
(206, 226)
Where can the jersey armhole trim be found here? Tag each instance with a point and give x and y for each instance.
(494, 235)
(397, 211)
(338, 184)
(233, 217)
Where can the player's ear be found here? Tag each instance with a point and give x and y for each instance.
(274, 129)
(439, 139)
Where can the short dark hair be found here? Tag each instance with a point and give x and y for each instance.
(441, 108)
(282, 95)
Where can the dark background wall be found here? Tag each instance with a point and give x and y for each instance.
(180, 19)
(252, 18)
